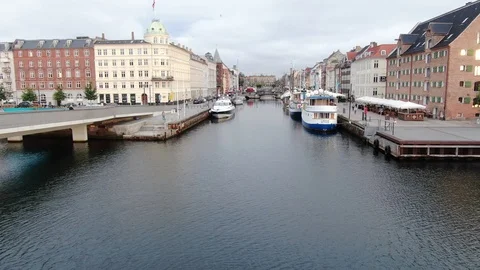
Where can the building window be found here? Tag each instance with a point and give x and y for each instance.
(67, 63)
(140, 62)
(155, 51)
(140, 73)
(477, 54)
(32, 74)
(77, 73)
(463, 52)
(145, 62)
(99, 52)
(145, 51)
(40, 74)
(106, 74)
(100, 63)
(477, 71)
(132, 73)
(139, 51)
(123, 74)
(130, 51)
(124, 85)
(155, 40)
(114, 74)
(40, 64)
(23, 85)
(50, 73)
(114, 63)
(122, 51)
(131, 62)
(30, 64)
(105, 63)
(68, 73)
(67, 52)
(30, 54)
(79, 84)
(88, 74)
(69, 84)
(42, 85)
(100, 85)
(122, 62)
(114, 52)
(20, 63)
(75, 53)
(145, 73)
(39, 53)
(86, 52)
(375, 64)
(50, 85)
(106, 85)
(375, 78)
(20, 54)
(105, 52)
(87, 62)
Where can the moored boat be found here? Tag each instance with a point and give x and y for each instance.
(295, 106)
(319, 112)
(223, 108)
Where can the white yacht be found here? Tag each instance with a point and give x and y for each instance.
(319, 112)
(223, 108)
(237, 101)
(295, 105)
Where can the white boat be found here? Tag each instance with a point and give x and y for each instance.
(237, 101)
(319, 112)
(295, 105)
(223, 108)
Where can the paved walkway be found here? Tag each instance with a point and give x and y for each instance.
(428, 130)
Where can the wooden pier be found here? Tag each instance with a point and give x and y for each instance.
(429, 139)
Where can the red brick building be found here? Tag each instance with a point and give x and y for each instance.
(45, 64)
(437, 64)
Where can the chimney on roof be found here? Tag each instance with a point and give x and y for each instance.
(133, 35)
(373, 44)
(103, 36)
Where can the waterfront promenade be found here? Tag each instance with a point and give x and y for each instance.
(427, 130)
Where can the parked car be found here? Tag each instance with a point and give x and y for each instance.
(199, 100)
(24, 104)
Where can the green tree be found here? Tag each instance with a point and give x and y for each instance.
(241, 79)
(259, 86)
(90, 92)
(59, 95)
(29, 95)
(3, 95)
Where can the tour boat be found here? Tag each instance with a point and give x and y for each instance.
(237, 101)
(319, 112)
(295, 105)
(223, 108)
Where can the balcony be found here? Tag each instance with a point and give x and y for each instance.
(162, 78)
(6, 69)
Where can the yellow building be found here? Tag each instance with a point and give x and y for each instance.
(152, 70)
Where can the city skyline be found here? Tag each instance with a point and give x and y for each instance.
(282, 33)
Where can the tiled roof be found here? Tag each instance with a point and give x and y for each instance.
(351, 56)
(52, 43)
(125, 41)
(459, 19)
(376, 51)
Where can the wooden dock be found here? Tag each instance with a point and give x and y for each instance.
(429, 139)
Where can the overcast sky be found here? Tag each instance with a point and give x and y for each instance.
(264, 35)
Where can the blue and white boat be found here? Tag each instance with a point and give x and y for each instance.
(295, 105)
(319, 112)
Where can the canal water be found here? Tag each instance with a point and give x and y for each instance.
(255, 192)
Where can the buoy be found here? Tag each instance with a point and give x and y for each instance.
(388, 150)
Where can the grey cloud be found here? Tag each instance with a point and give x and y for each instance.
(264, 35)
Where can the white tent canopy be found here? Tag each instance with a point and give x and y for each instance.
(335, 95)
(398, 104)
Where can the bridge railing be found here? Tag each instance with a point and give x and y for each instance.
(33, 118)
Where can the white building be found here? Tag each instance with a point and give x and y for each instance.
(368, 71)
(332, 79)
(211, 74)
(149, 70)
(7, 72)
(199, 76)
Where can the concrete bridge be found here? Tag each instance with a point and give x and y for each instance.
(16, 125)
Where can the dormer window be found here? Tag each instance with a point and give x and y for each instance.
(69, 42)
(383, 52)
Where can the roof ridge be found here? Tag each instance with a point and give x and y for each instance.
(468, 4)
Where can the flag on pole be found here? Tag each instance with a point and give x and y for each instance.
(153, 5)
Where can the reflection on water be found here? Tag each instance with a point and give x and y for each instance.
(256, 191)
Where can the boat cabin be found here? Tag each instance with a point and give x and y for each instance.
(321, 101)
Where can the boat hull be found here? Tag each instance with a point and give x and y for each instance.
(295, 115)
(320, 127)
(222, 115)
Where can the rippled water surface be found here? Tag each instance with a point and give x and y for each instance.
(255, 192)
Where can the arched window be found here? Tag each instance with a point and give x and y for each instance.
(79, 96)
(155, 40)
(161, 40)
(69, 96)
